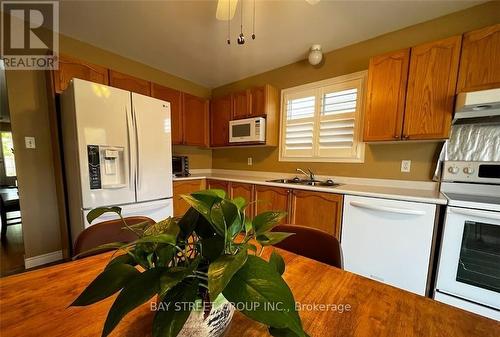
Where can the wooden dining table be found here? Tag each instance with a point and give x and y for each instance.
(333, 302)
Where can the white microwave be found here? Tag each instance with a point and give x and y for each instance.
(247, 130)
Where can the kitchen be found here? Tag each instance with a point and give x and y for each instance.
(379, 147)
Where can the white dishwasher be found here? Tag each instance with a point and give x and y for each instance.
(388, 240)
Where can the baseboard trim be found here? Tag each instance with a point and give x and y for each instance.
(39, 260)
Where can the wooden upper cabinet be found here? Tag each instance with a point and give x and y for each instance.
(185, 187)
(245, 191)
(130, 83)
(70, 68)
(385, 100)
(241, 104)
(317, 210)
(219, 185)
(270, 198)
(175, 99)
(195, 123)
(260, 100)
(220, 115)
(431, 89)
(480, 61)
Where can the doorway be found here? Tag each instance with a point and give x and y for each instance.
(11, 240)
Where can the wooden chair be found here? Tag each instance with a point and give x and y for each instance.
(107, 232)
(9, 202)
(312, 243)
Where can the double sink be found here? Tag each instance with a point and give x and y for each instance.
(308, 182)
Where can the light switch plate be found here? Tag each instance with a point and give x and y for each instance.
(30, 142)
(405, 166)
(250, 161)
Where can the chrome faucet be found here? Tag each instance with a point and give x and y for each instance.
(309, 175)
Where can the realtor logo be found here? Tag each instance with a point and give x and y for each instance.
(30, 35)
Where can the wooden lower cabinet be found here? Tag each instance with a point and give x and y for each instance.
(218, 184)
(185, 187)
(246, 191)
(270, 198)
(318, 210)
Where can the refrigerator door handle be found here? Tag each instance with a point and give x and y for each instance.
(130, 173)
(138, 163)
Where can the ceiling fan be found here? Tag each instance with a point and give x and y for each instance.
(226, 10)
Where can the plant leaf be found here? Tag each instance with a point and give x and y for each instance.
(170, 278)
(217, 219)
(272, 238)
(277, 262)
(107, 283)
(248, 225)
(240, 203)
(187, 223)
(257, 282)
(137, 291)
(97, 212)
(198, 205)
(168, 226)
(212, 247)
(158, 238)
(165, 255)
(103, 247)
(209, 197)
(222, 270)
(266, 221)
(122, 259)
(169, 322)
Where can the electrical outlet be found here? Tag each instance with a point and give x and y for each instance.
(250, 161)
(405, 165)
(30, 142)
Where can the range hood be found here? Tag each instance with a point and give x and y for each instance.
(484, 103)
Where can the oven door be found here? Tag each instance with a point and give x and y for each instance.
(469, 265)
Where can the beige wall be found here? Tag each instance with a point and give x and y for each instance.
(381, 161)
(35, 170)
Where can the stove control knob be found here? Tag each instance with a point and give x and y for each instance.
(468, 170)
(453, 169)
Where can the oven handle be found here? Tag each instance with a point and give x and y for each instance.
(470, 212)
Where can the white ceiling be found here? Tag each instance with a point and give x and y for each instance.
(185, 39)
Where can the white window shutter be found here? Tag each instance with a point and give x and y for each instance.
(298, 133)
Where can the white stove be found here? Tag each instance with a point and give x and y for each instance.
(469, 261)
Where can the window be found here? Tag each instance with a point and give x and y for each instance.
(8, 154)
(322, 121)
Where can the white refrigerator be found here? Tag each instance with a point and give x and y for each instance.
(117, 152)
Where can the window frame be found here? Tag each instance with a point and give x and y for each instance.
(319, 88)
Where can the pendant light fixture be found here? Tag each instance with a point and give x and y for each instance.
(241, 37)
(226, 10)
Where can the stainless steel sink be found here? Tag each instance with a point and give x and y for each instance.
(297, 181)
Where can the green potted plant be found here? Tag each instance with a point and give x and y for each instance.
(207, 259)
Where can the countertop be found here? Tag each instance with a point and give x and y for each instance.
(334, 303)
(376, 188)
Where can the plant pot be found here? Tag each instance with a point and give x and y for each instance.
(213, 325)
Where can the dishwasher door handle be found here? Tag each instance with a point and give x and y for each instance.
(386, 208)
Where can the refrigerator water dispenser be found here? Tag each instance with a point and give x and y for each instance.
(106, 167)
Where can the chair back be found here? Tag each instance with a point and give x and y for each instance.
(312, 243)
(107, 232)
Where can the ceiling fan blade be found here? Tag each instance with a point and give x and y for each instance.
(226, 9)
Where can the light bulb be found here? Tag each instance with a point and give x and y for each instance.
(315, 55)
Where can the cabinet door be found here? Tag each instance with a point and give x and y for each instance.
(480, 60)
(219, 185)
(241, 104)
(258, 103)
(130, 83)
(185, 187)
(270, 198)
(220, 114)
(246, 191)
(175, 99)
(318, 210)
(70, 68)
(385, 100)
(195, 123)
(431, 89)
